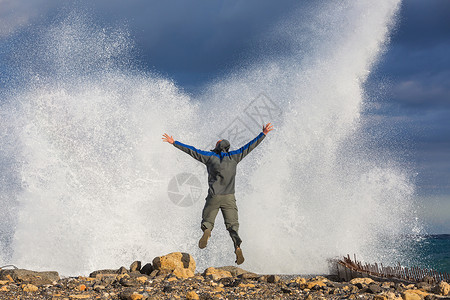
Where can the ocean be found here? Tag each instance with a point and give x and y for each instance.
(433, 252)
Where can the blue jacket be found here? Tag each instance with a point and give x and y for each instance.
(220, 163)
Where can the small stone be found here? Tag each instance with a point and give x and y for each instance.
(374, 289)
(218, 289)
(413, 295)
(366, 281)
(172, 279)
(135, 266)
(136, 297)
(192, 295)
(246, 285)
(99, 288)
(216, 274)
(146, 269)
(429, 280)
(80, 296)
(311, 284)
(3, 282)
(4, 289)
(81, 287)
(273, 278)
(122, 270)
(101, 273)
(29, 288)
(142, 279)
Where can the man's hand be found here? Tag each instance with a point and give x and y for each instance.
(268, 127)
(167, 138)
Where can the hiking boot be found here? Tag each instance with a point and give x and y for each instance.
(204, 239)
(239, 255)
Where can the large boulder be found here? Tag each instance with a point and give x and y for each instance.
(443, 288)
(27, 276)
(181, 264)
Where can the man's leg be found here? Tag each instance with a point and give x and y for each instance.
(208, 217)
(230, 216)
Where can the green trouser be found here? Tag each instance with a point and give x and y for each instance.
(227, 204)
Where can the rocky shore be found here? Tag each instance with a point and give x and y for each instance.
(174, 276)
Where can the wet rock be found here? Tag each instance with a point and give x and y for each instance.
(135, 266)
(27, 276)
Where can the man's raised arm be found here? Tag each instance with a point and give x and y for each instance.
(242, 152)
(201, 156)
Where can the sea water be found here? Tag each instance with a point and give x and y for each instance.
(86, 182)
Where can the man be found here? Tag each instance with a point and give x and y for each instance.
(221, 165)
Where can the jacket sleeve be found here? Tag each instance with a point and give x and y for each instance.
(242, 152)
(201, 156)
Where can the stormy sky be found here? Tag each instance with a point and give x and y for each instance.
(194, 42)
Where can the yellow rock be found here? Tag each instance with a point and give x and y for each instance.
(9, 278)
(183, 273)
(421, 293)
(4, 289)
(411, 295)
(218, 289)
(299, 280)
(3, 282)
(80, 296)
(248, 285)
(141, 279)
(29, 288)
(81, 287)
(173, 261)
(172, 279)
(361, 280)
(442, 288)
(136, 297)
(192, 296)
(311, 284)
(217, 274)
(380, 297)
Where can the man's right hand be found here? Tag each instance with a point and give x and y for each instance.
(167, 138)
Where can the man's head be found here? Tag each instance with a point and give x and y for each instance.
(222, 146)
